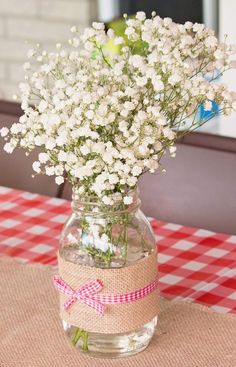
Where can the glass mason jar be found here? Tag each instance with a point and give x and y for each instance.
(107, 237)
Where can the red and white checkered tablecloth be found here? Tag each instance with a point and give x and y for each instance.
(195, 264)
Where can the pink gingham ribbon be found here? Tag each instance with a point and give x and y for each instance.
(88, 294)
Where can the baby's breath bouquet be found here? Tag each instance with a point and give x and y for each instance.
(101, 120)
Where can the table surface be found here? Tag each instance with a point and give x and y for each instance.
(194, 264)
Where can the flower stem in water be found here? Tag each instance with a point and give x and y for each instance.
(80, 333)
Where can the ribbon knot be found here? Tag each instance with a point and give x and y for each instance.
(84, 294)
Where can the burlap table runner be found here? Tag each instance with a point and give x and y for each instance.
(31, 335)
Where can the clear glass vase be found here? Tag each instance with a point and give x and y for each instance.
(107, 237)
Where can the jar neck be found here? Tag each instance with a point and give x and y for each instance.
(94, 205)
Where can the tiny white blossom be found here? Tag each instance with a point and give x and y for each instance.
(107, 200)
(118, 40)
(50, 171)
(43, 157)
(172, 149)
(208, 106)
(9, 148)
(128, 200)
(136, 171)
(42, 106)
(59, 180)
(31, 53)
(89, 114)
(141, 81)
(4, 131)
(113, 179)
(140, 15)
(98, 26)
(50, 144)
(129, 31)
(110, 33)
(73, 29)
(84, 149)
(36, 166)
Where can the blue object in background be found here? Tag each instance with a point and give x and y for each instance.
(205, 115)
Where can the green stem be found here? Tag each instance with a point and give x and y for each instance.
(85, 341)
(77, 336)
(125, 235)
(80, 333)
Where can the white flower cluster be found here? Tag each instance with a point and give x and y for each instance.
(100, 242)
(102, 119)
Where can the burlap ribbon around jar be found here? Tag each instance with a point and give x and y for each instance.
(117, 318)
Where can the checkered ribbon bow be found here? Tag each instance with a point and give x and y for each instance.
(88, 294)
(83, 294)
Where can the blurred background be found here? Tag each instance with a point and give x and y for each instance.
(203, 174)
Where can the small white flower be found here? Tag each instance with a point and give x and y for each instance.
(129, 106)
(73, 29)
(113, 179)
(136, 61)
(98, 26)
(36, 166)
(131, 181)
(75, 42)
(31, 53)
(128, 200)
(110, 33)
(143, 149)
(50, 144)
(141, 81)
(84, 149)
(168, 133)
(50, 171)
(208, 106)
(4, 131)
(129, 31)
(43, 157)
(140, 15)
(136, 171)
(118, 40)
(42, 106)
(197, 27)
(24, 87)
(211, 41)
(172, 149)
(107, 200)
(38, 140)
(174, 78)
(103, 243)
(89, 114)
(59, 180)
(9, 148)
(15, 97)
(219, 54)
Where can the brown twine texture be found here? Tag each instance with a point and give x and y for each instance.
(31, 334)
(117, 318)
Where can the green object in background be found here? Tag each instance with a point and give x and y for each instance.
(119, 26)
